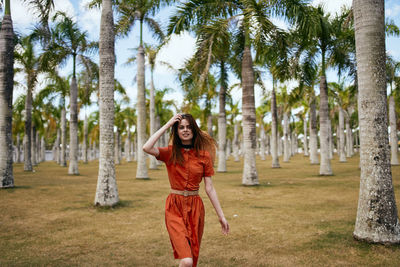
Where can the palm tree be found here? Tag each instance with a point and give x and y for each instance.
(69, 41)
(249, 13)
(107, 191)
(31, 66)
(130, 12)
(391, 68)
(6, 95)
(377, 220)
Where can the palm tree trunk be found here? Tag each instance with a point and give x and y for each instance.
(85, 141)
(63, 160)
(236, 142)
(28, 132)
(349, 145)
(153, 160)
(116, 148)
(129, 151)
(305, 144)
(377, 220)
(42, 150)
(228, 148)
(73, 128)
(18, 160)
(33, 145)
(222, 126)
(141, 171)
(6, 96)
(342, 154)
(286, 134)
(107, 191)
(57, 146)
(262, 141)
(210, 124)
(330, 139)
(325, 165)
(250, 176)
(274, 130)
(393, 132)
(313, 134)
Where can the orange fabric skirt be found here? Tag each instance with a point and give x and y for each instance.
(184, 218)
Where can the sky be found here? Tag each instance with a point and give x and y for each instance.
(175, 52)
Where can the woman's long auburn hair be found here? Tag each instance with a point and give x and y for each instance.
(201, 141)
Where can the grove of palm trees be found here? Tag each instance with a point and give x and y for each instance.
(302, 102)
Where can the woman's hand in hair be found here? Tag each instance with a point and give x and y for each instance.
(174, 119)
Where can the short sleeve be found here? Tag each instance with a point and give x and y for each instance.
(208, 166)
(164, 154)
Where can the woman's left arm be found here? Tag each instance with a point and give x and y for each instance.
(212, 195)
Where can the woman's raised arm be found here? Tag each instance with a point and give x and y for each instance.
(148, 147)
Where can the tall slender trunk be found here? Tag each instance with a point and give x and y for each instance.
(262, 141)
(377, 220)
(250, 176)
(18, 149)
(342, 154)
(313, 134)
(85, 141)
(33, 145)
(42, 150)
(228, 148)
(57, 146)
(210, 124)
(141, 171)
(63, 158)
(73, 128)
(349, 142)
(222, 126)
(6, 96)
(129, 151)
(116, 148)
(330, 139)
(305, 143)
(274, 130)
(325, 165)
(286, 134)
(236, 141)
(28, 132)
(393, 132)
(107, 191)
(153, 160)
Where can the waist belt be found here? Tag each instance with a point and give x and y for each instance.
(185, 193)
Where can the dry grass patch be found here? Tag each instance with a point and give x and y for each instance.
(293, 218)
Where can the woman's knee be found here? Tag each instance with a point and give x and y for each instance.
(186, 262)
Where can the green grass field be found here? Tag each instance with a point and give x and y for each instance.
(293, 218)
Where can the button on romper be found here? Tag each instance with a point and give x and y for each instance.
(184, 215)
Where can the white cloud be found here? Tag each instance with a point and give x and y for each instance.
(90, 19)
(180, 48)
(332, 7)
(393, 11)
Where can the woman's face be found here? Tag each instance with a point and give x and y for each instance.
(185, 132)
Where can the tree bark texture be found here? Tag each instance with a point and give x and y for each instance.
(286, 134)
(63, 159)
(73, 128)
(349, 138)
(274, 131)
(33, 145)
(141, 171)
(6, 96)
(250, 176)
(153, 160)
(222, 130)
(305, 142)
(377, 219)
(107, 191)
(325, 164)
(262, 141)
(236, 142)
(85, 141)
(313, 134)
(28, 132)
(394, 160)
(342, 152)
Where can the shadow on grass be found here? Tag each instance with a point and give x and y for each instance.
(15, 188)
(121, 204)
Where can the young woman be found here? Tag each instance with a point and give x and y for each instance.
(188, 160)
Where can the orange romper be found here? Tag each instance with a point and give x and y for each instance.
(184, 215)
